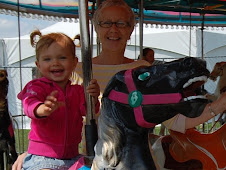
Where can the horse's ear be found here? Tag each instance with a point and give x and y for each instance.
(114, 81)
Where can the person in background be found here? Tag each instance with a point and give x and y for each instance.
(56, 107)
(149, 56)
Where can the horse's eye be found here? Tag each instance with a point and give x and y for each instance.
(144, 76)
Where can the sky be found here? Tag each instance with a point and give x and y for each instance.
(9, 25)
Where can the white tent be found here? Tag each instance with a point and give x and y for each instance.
(178, 42)
(167, 43)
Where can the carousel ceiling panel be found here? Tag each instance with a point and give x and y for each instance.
(58, 8)
(194, 6)
(182, 12)
(168, 12)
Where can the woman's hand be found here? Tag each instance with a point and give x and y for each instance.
(19, 162)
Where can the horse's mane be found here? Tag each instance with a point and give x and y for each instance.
(110, 133)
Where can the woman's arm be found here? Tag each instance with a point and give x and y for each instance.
(210, 111)
(180, 123)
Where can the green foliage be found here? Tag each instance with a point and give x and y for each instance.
(207, 127)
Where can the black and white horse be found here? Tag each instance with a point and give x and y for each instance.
(136, 100)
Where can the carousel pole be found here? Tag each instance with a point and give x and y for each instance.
(202, 34)
(202, 56)
(20, 142)
(141, 21)
(90, 127)
(98, 39)
(202, 29)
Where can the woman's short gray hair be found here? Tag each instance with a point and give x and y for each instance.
(109, 3)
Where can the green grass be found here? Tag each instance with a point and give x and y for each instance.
(21, 137)
(207, 127)
(157, 130)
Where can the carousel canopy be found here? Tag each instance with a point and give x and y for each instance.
(167, 12)
(194, 6)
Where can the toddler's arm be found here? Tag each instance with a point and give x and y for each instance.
(50, 105)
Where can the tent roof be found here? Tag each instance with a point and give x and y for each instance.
(158, 11)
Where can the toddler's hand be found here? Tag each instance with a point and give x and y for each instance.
(50, 105)
(93, 89)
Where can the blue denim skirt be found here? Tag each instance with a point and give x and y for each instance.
(35, 162)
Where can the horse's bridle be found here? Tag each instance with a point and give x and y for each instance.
(135, 99)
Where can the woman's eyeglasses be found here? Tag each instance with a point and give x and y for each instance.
(108, 24)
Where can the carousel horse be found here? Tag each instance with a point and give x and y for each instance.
(7, 140)
(138, 99)
(192, 150)
(219, 70)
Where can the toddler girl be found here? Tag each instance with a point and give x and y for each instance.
(56, 107)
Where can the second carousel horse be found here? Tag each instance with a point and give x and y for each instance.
(192, 150)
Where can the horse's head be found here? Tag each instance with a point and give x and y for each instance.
(137, 99)
(217, 70)
(156, 93)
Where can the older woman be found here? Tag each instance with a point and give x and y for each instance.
(114, 23)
